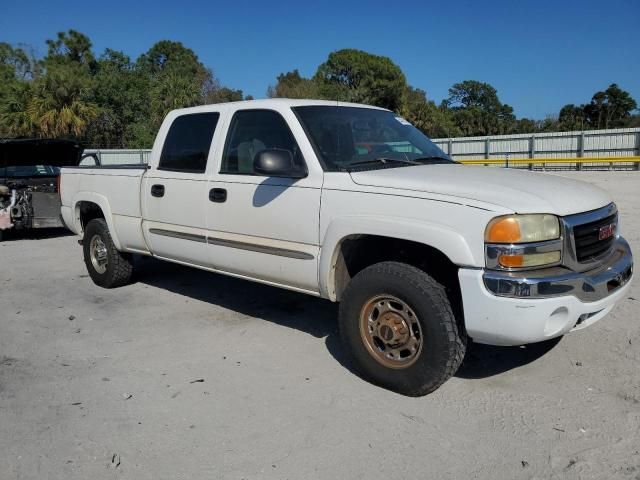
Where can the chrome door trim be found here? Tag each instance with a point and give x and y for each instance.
(181, 235)
(282, 252)
(253, 247)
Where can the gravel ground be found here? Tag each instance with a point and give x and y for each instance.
(187, 374)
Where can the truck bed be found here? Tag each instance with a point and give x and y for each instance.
(116, 189)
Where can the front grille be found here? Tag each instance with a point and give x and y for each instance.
(586, 237)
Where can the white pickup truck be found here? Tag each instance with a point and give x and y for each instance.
(353, 204)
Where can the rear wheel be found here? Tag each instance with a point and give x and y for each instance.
(107, 266)
(398, 327)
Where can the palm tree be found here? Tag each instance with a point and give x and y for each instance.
(15, 121)
(57, 107)
(172, 91)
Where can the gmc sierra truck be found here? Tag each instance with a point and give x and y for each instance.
(353, 204)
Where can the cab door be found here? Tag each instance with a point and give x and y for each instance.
(175, 192)
(263, 227)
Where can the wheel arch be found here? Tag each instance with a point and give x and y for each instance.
(90, 205)
(373, 240)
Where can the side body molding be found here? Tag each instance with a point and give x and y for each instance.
(441, 237)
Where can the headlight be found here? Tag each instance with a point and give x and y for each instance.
(522, 229)
(523, 241)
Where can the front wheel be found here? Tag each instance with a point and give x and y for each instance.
(107, 266)
(398, 327)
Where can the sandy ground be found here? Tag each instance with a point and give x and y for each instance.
(186, 374)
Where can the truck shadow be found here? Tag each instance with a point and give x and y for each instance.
(314, 316)
(311, 315)
(482, 361)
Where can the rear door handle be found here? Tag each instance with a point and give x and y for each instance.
(157, 190)
(218, 195)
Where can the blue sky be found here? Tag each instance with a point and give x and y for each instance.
(539, 55)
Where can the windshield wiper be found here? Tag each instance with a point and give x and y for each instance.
(432, 159)
(383, 160)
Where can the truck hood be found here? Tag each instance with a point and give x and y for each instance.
(516, 190)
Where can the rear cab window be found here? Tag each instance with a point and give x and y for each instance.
(186, 146)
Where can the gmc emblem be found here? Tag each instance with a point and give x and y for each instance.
(607, 231)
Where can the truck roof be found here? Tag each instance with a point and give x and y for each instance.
(272, 103)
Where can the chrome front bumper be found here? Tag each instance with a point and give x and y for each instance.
(589, 286)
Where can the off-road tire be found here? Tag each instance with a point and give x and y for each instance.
(119, 266)
(443, 340)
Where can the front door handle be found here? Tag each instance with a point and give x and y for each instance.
(218, 195)
(157, 190)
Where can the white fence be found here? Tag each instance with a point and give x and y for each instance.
(119, 157)
(621, 142)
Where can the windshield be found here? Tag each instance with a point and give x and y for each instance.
(27, 171)
(346, 138)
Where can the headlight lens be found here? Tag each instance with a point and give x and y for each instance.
(522, 229)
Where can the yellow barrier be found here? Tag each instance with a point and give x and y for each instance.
(537, 161)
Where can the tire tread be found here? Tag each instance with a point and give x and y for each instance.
(120, 265)
(437, 297)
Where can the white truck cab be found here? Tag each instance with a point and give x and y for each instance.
(353, 204)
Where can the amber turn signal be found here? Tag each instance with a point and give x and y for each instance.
(529, 260)
(504, 230)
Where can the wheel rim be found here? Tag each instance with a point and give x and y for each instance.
(391, 331)
(98, 254)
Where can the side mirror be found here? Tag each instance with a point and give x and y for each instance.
(276, 162)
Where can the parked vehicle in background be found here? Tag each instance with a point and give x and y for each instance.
(29, 173)
(353, 204)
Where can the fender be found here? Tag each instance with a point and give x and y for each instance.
(103, 203)
(443, 238)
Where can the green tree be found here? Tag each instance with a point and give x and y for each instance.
(122, 93)
(224, 94)
(12, 90)
(477, 110)
(178, 78)
(71, 49)
(426, 116)
(15, 64)
(611, 108)
(166, 55)
(357, 76)
(172, 91)
(58, 106)
(293, 85)
(53, 104)
(525, 125)
(15, 120)
(571, 118)
(473, 94)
